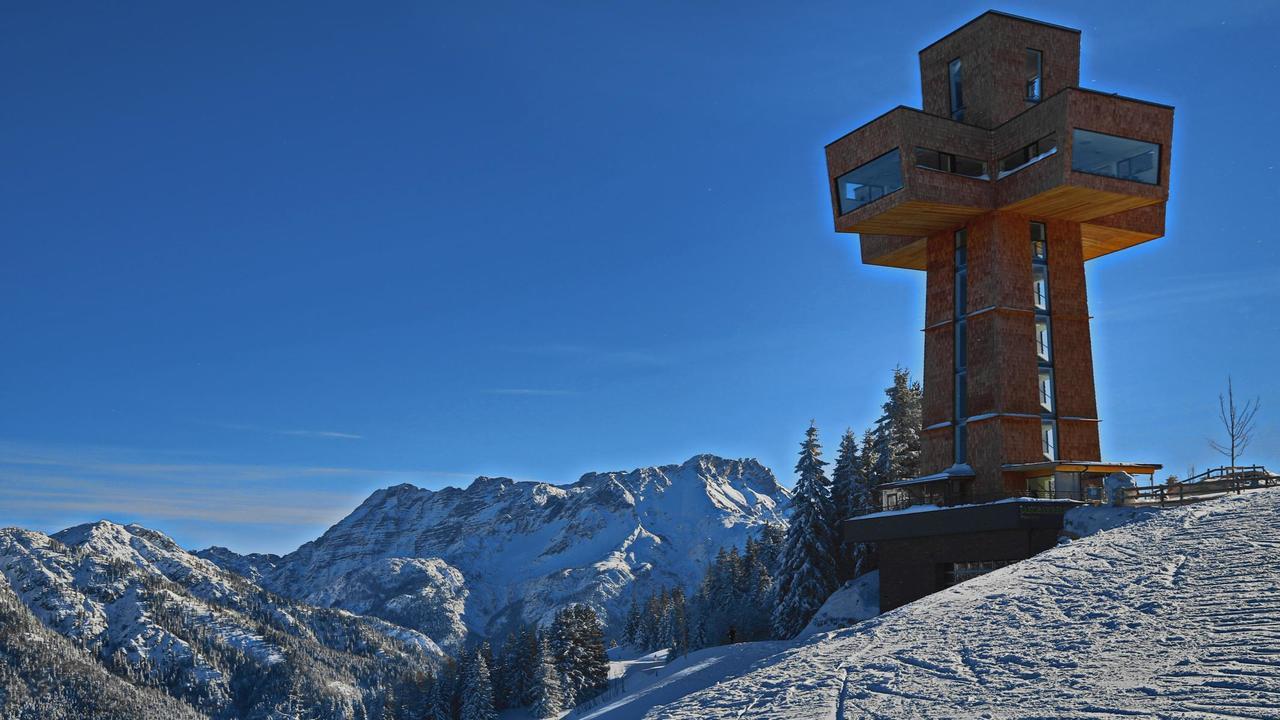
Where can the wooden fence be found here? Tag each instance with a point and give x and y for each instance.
(1211, 483)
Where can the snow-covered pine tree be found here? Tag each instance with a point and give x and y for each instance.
(548, 696)
(435, 706)
(526, 671)
(844, 479)
(676, 627)
(806, 572)
(477, 696)
(631, 630)
(898, 429)
(869, 459)
(594, 659)
(564, 643)
(503, 673)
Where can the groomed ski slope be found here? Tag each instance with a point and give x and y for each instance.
(1174, 616)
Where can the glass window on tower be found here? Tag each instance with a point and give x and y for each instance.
(957, 90)
(1113, 156)
(1040, 286)
(962, 439)
(1049, 439)
(1034, 62)
(1039, 243)
(870, 181)
(962, 350)
(1043, 351)
(1046, 390)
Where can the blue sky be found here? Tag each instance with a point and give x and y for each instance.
(263, 258)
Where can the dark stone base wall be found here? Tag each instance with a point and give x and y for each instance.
(910, 568)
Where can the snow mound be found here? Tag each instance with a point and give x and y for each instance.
(1090, 519)
(1174, 616)
(857, 600)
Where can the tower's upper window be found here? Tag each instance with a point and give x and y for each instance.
(1027, 155)
(1039, 247)
(1049, 439)
(1046, 389)
(1043, 351)
(1034, 63)
(1040, 287)
(957, 90)
(1117, 157)
(870, 181)
(952, 163)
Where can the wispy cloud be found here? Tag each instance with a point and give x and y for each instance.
(70, 497)
(594, 354)
(322, 434)
(50, 488)
(1207, 289)
(529, 392)
(332, 434)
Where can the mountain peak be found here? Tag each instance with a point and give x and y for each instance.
(498, 552)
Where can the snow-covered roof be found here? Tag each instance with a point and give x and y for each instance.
(1084, 466)
(931, 507)
(953, 472)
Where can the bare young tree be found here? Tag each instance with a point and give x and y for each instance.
(1237, 422)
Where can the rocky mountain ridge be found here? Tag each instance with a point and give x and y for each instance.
(164, 620)
(500, 552)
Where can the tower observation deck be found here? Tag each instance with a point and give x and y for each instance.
(1000, 189)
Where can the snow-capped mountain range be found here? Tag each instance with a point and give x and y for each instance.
(143, 607)
(500, 552)
(409, 576)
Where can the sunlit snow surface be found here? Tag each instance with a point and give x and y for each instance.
(1175, 614)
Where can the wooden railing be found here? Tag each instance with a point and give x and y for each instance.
(1212, 482)
(949, 499)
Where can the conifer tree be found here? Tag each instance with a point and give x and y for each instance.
(593, 662)
(477, 696)
(548, 699)
(869, 460)
(898, 429)
(435, 705)
(806, 573)
(844, 481)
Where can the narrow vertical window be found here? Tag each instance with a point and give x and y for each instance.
(957, 90)
(961, 399)
(1049, 439)
(1046, 390)
(1040, 287)
(1043, 351)
(1039, 246)
(1033, 71)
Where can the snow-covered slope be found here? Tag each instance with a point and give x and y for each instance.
(44, 677)
(1175, 615)
(162, 617)
(855, 601)
(454, 561)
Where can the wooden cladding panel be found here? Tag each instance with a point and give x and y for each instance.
(916, 218)
(1079, 204)
(1099, 240)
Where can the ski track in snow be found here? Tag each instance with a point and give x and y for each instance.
(1175, 616)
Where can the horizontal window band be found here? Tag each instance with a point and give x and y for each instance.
(993, 416)
(1007, 309)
